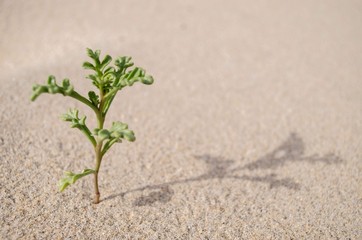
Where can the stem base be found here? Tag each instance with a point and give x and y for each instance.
(96, 198)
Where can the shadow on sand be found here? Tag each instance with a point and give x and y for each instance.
(291, 150)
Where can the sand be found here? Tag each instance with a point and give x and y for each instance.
(252, 129)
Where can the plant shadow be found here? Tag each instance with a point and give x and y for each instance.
(289, 151)
(164, 195)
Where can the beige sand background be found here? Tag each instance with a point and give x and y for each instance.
(252, 129)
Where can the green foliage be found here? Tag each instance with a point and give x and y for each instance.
(114, 78)
(70, 178)
(118, 131)
(108, 80)
(94, 98)
(76, 122)
(72, 116)
(52, 87)
(115, 134)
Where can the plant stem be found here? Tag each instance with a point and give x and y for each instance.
(98, 148)
(98, 151)
(88, 134)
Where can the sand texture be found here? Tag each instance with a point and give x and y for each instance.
(252, 129)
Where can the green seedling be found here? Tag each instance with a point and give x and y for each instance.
(109, 80)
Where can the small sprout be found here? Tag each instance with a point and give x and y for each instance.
(108, 80)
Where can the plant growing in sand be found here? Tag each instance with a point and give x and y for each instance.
(109, 80)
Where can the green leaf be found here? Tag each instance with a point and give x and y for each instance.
(135, 75)
(103, 134)
(94, 98)
(109, 69)
(107, 59)
(94, 55)
(116, 133)
(52, 87)
(70, 178)
(90, 53)
(120, 130)
(38, 90)
(72, 116)
(128, 135)
(88, 65)
(68, 89)
(107, 81)
(95, 79)
(76, 122)
(148, 80)
(123, 63)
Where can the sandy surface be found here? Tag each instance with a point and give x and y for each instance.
(252, 129)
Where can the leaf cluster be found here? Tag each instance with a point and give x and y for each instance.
(110, 79)
(115, 134)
